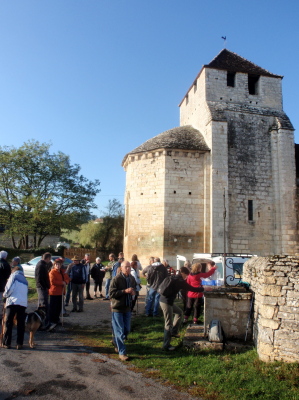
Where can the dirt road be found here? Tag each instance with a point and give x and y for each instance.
(61, 368)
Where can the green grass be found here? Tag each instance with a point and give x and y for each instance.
(211, 375)
(32, 294)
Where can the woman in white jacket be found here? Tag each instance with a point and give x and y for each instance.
(15, 293)
(135, 274)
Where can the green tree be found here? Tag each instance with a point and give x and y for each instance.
(41, 193)
(107, 233)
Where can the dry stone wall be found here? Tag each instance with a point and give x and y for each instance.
(275, 283)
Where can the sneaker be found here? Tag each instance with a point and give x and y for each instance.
(88, 298)
(123, 357)
(52, 326)
(170, 348)
(80, 311)
(74, 310)
(19, 346)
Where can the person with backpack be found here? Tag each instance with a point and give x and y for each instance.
(78, 277)
(156, 274)
(173, 314)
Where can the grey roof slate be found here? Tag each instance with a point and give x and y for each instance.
(234, 63)
(181, 138)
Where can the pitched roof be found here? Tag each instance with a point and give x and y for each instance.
(234, 63)
(181, 138)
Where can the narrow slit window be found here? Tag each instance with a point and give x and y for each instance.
(250, 210)
(231, 76)
(253, 84)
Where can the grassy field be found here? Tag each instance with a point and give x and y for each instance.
(32, 294)
(210, 375)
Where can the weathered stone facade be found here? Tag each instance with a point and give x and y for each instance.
(275, 283)
(245, 163)
(232, 308)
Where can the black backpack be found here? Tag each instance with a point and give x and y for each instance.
(153, 273)
(168, 286)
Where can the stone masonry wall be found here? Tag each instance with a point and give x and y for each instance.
(250, 178)
(144, 205)
(165, 204)
(275, 283)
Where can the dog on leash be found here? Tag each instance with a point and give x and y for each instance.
(33, 322)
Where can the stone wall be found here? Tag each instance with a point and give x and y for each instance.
(231, 307)
(275, 283)
(166, 204)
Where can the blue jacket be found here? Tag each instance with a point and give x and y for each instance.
(16, 290)
(78, 274)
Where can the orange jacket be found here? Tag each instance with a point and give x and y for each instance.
(57, 279)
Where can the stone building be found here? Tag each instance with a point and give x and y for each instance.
(225, 179)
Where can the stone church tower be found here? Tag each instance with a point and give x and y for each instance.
(225, 179)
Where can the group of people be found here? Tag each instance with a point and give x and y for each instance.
(187, 282)
(54, 280)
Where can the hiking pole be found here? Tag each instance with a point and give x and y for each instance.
(249, 316)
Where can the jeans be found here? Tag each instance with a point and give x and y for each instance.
(152, 302)
(107, 286)
(43, 301)
(77, 290)
(121, 324)
(171, 325)
(10, 312)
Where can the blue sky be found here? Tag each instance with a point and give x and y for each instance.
(98, 78)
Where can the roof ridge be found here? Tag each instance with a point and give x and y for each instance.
(237, 56)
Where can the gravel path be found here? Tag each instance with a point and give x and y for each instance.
(62, 368)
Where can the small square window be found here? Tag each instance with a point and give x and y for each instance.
(230, 79)
(253, 84)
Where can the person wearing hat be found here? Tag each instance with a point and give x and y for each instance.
(58, 281)
(78, 277)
